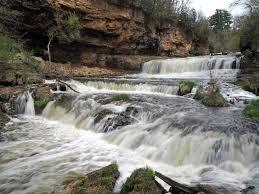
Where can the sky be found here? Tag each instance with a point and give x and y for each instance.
(208, 7)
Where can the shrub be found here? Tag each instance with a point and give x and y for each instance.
(72, 26)
(252, 110)
(8, 48)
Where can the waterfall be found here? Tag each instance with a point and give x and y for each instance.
(190, 64)
(25, 104)
(93, 86)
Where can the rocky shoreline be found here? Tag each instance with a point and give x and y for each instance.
(142, 180)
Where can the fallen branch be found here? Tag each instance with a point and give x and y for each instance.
(59, 81)
(175, 186)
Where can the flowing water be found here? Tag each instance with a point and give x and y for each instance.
(174, 135)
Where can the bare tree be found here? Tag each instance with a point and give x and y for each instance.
(52, 33)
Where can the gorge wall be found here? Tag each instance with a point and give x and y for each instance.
(109, 34)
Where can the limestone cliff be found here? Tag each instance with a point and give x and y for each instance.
(108, 31)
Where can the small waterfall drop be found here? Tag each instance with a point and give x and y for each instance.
(25, 104)
(190, 64)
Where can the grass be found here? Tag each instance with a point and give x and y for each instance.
(117, 98)
(252, 109)
(141, 181)
(246, 85)
(15, 60)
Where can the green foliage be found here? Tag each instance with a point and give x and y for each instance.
(41, 103)
(252, 110)
(221, 20)
(246, 85)
(116, 98)
(72, 26)
(8, 48)
(141, 181)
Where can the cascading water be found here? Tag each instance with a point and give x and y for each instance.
(174, 135)
(223, 67)
(25, 104)
(191, 64)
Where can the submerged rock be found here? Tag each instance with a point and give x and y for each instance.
(100, 181)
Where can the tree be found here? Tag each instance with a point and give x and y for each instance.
(67, 26)
(221, 20)
(52, 33)
(249, 26)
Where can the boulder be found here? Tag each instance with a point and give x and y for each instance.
(141, 181)
(100, 181)
(42, 96)
(185, 87)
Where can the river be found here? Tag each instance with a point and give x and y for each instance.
(174, 135)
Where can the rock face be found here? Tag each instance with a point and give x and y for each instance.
(108, 31)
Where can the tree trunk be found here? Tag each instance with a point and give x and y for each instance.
(49, 53)
(257, 44)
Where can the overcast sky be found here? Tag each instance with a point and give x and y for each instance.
(208, 7)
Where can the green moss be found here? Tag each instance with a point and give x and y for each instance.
(214, 100)
(98, 182)
(246, 85)
(186, 87)
(41, 102)
(116, 98)
(252, 110)
(199, 95)
(141, 181)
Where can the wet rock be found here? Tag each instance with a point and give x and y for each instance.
(214, 100)
(100, 181)
(101, 115)
(3, 120)
(121, 119)
(185, 87)
(42, 96)
(8, 96)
